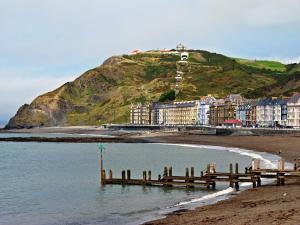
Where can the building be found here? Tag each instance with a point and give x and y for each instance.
(225, 109)
(203, 113)
(272, 112)
(264, 112)
(158, 114)
(140, 114)
(134, 52)
(284, 112)
(293, 111)
(246, 113)
(175, 113)
(181, 47)
(234, 99)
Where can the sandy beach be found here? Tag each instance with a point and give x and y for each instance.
(265, 205)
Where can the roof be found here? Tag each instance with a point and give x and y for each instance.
(295, 98)
(270, 101)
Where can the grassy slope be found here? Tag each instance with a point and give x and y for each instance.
(104, 94)
(263, 64)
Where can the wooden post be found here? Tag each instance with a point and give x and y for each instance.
(103, 177)
(123, 175)
(144, 176)
(259, 180)
(187, 172)
(165, 171)
(282, 179)
(128, 174)
(253, 178)
(278, 179)
(170, 175)
(281, 165)
(192, 171)
(237, 186)
(149, 175)
(237, 168)
(170, 171)
(110, 174)
(207, 169)
(230, 176)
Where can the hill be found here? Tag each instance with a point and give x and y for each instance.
(104, 94)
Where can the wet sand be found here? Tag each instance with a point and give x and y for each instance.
(265, 205)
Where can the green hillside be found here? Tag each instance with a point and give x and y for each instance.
(104, 94)
(263, 64)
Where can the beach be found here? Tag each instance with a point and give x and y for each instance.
(265, 205)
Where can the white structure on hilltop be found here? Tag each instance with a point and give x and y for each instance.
(181, 47)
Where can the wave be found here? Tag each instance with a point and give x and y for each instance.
(268, 161)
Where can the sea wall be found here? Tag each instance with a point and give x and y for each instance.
(204, 130)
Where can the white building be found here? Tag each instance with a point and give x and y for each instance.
(293, 111)
(204, 106)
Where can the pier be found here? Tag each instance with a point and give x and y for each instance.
(207, 178)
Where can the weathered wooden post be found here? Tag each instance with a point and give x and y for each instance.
(165, 171)
(281, 165)
(207, 168)
(110, 174)
(170, 171)
(103, 177)
(259, 180)
(192, 176)
(149, 175)
(187, 175)
(237, 186)
(192, 171)
(123, 175)
(187, 172)
(230, 176)
(170, 176)
(128, 174)
(144, 176)
(280, 174)
(253, 178)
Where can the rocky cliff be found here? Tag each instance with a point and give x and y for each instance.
(104, 94)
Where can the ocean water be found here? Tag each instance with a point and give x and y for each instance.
(58, 183)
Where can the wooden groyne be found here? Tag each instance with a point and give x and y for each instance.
(75, 139)
(206, 178)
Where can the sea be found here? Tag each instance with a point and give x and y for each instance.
(58, 183)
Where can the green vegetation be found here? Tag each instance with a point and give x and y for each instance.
(167, 96)
(104, 94)
(263, 64)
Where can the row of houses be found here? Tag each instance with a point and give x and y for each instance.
(233, 110)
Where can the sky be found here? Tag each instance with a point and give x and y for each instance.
(44, 44)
